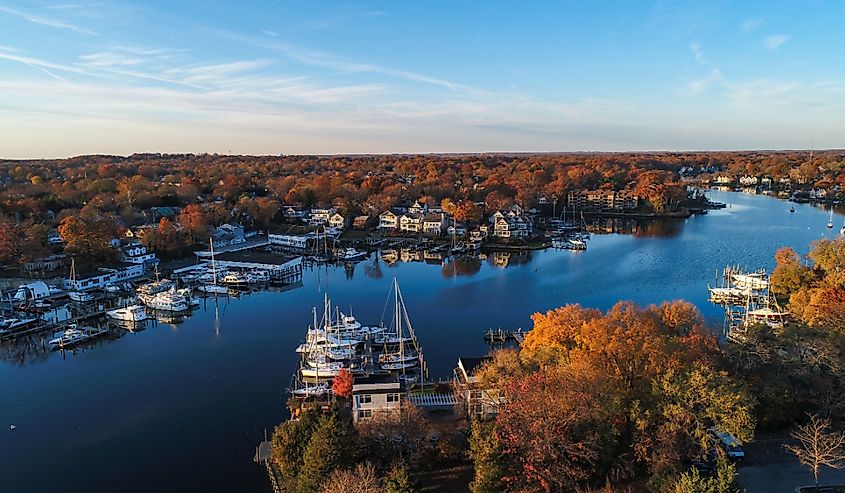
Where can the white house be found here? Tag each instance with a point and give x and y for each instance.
(33, 291)
(434, 224)
(411, 223)
(418, 208)
(510, 224)
(136, 253)
(293, 212)
(337, 221)
(456, 229)
(388, 220)
(376, 394)
(294, 242)
(320, 216)
(748, 180)
(479, 402)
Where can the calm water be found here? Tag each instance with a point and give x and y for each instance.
(180, 408)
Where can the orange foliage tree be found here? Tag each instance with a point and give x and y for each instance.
(342, 383)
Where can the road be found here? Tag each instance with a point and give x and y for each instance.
(769, 468)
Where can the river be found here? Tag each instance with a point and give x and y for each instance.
(181, 407)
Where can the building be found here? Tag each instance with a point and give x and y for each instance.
(293, 212)
(434, 224)
(510, 224)
(229, 234)
(104, 276)
(418, 208)
(479, 402)
(376, 394)
(337, 221)
(46, 264)
(456, 229)
(136, 253)
(320, 215)
(603, 200)
(388, 220)
(293, 242)
(32, 291)
(411, 223)
(361, 222)
(748, 180)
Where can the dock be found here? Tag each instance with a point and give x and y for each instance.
(502, 336)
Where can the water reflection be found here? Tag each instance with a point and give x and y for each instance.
(640, 227)
(463, 265)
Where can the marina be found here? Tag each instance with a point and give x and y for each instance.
(215, 380)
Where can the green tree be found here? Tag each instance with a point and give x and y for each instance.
(398, 481)
(692, 481)
(289, 442)
(486, 456)
(331, 447)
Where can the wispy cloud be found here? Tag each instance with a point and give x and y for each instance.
(700, 85)
(272, 34)
(775, 41)
(751, 24)
(46, 21)
(695, 47)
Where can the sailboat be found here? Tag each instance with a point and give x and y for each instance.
(213, 287)
(401, 352)
(79, 296)
(830, 221)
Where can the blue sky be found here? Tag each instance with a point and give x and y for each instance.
(269, 77)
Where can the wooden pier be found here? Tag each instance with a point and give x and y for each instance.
(502, 336)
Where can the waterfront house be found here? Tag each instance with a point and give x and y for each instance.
(748, 180)
(338, 221)
(293, 212)
(724, 180)
(292, 242)
(603, 200)
(411, 223)
(434, 224)
(456, 229)
(388, 220)
(510, 224)
(418, 208)
(32, 291)
(478, 401)
(361, 222)
(320, 215)
(136, 253)
(376, 394)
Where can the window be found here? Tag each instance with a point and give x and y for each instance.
(365, 399)
(475, 395)
(394, 398)
(365, 413)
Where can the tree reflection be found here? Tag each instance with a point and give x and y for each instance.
(464, 265)
(373, 270)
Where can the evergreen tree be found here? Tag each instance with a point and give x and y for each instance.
(332, 446)
(486, 456)
(289, 442)
(398, 481)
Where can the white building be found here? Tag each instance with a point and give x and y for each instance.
(479, 402)
(320, 216)
(388, 220)
(411, 223)
(748, 180)
(295, 242)
(434, 224)
(136, 253)
(337, 221)
(105, 276)
(376, 394)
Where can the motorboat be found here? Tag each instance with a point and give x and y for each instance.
(235, 279)
(756, 281)
(80, 296)
(188, 293)
(396, 357)
(148, 291)
(168, 301)
(131, 313)
(321, 369)
(111, 288)
(312, 390)
(212, 288)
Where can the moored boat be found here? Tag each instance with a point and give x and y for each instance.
(131, 313)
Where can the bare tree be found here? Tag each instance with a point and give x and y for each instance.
(818, 446)
(362, 479)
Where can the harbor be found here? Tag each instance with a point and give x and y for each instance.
(217, 379)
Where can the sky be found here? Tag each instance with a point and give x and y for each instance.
(324, 77)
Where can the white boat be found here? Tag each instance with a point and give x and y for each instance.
(830, 221)
(756, 281)
(131, 313)
(148, 291)
(80, 296)
(388, 339)
(213, 288)
(188, 293)
(235, 279)
(719, 295)
(396, 357)
(312, 390)
(12, 324)
(111, 288)
(321, 369)
(167, 301)
(766, 315)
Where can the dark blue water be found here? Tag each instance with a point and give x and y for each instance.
(180, 408)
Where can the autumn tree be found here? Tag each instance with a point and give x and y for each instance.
(89, 234)
(486, 456)
(398, 480)
(342, 383)
(818, 446)
(194, 223)
(789, 275)
(330, 447)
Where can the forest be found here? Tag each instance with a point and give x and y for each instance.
(89, 199)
